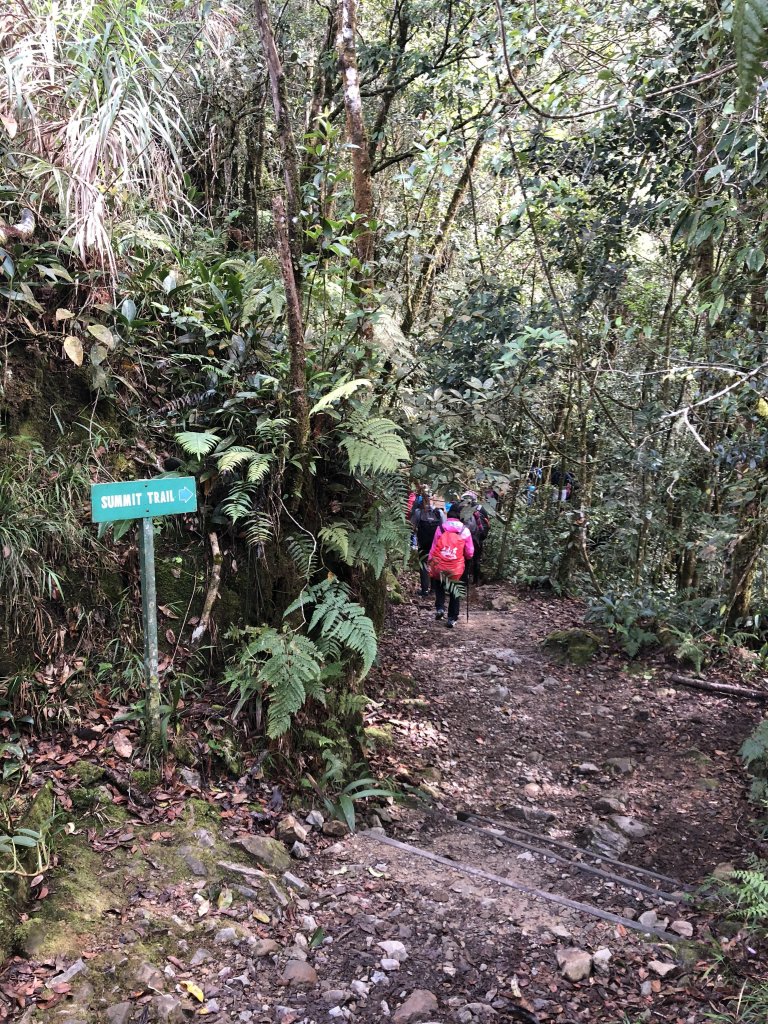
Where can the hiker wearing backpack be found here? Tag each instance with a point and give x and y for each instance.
(425, 519)
(478, 522)
(450, 549)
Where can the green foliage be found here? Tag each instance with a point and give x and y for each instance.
(750, 28)
(373, 444)
(339, 623)
(339, 793)
(630, 617)
(41, 530)
(749, 1007)
(283, 668)
(746, 893)
(754, 751)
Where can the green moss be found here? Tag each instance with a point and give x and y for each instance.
(83, 799)
(145, 779)
(577, 646)
(200, 812)
(87, 772)
(79, 902)
(183, 751)
(379, 735)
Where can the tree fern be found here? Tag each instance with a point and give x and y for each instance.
(373, 445)
(285, 668)
(750, 27)
(339, 623)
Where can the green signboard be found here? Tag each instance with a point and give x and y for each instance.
(143, 499)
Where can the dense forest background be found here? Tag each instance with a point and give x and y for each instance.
(313, 255)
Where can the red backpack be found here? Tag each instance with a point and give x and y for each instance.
(448, 555)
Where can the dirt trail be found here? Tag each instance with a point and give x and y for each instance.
(476, 719)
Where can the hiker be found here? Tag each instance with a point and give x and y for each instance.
(447, 562)
(425, 519)
(477, 520)
(565, 488)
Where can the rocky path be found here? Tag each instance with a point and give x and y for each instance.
(153, 922)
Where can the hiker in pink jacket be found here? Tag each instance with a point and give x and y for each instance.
(447, 563)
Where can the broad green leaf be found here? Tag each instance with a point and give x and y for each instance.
(750, 25)
(128, 309)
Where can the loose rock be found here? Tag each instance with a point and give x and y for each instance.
(394, 950)
(684, 928)
(298, 973)
(630, 826)
(334, 828)
(290, 831)
(267, 852)
(168, 1009)
(150, 977)
(419, 1005)
(314, 819)
(621, 764)
(120, 1013)
(575, 964)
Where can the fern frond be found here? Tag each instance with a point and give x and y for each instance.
(336, 538)
(302, 550)
(234, 457)
(238, 503)
(286, 668)
(258, 530)
(373, 445)
(342, 391)
(339, 623)
(197, 443)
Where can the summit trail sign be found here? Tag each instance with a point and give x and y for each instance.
(143, 499)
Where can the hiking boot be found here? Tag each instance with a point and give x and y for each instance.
(451, 623)
(426, 593)
(439, 615)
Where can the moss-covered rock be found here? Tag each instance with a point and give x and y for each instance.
(577, 646)
(145, 779)
(394, 590)
(88, 773)
(267, 852)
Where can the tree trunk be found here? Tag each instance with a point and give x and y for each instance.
(440, 240)
(296, 347)
(361, 161)
(288, 149)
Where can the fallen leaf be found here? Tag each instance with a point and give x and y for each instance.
(259, 915)
(122, 744)
(194, 990)
(63, 314)
(10, 125)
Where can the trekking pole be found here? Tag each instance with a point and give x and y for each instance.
(467, 598)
